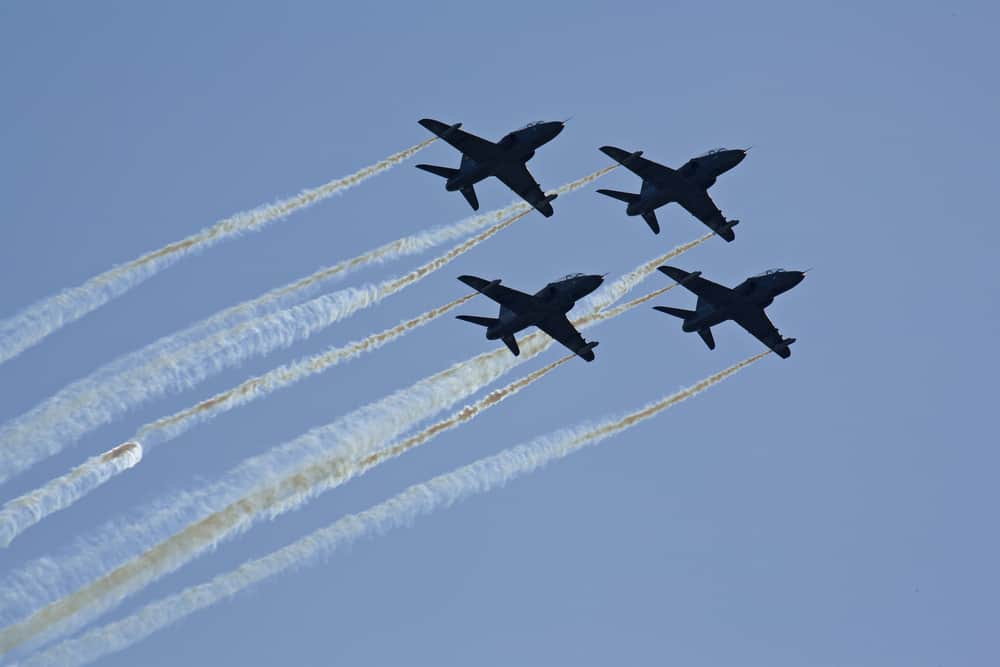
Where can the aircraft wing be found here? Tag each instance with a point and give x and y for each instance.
(560, 329)
(700, 205)
(760, 327)
(519, 302)
(647, 170)
(477, 148)
(706, 289)
(520, 180)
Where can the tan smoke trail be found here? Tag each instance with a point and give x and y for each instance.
(26, 442)
(98, 398)
(360, 433)
(443, 491)
(37, 321)
(403, 246)
(19, 514)
(170, 427)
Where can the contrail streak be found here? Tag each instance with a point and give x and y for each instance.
(37, 321)
(443, 491)
(41, 434)
(21, 513)
(58, 421)
(167, 428)
(182, 527)
(405, 246)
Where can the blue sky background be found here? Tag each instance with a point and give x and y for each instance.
(838, 508)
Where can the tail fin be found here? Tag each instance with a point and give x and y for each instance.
(470, 196)
(444, 172)
(626, 197)
(676, 312)
(706, 335)
(481, 321)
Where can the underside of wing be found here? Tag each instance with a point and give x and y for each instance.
(758, 325)
(477, 148)
(519, 179)
(647, 170)
(705, 289)
(519, 302)
(561, 330)
(701, 206)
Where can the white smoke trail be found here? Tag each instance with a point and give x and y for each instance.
(37, 321)
(295, 292)
(443, 491)
(21, 513)
(24, 512)
(47, 429)
(57, 420)
(182, 527)
(168, 428)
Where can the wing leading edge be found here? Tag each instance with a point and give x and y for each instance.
(477, 148)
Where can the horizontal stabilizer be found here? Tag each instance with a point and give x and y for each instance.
(481, 321)
(479, 284)
(444, 172)
(627, 197)
(587, 351)
(676, 312)
(620, 156)
(706, 335)
(437, 127)
(470, 196)
(511, 344)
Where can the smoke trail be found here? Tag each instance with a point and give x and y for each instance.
(37, 321)
(171, 427)
(21, 513)
(408, 245)
(47, 429)
(57, 421)
(18, 515)
(443, 491)
(181, 527)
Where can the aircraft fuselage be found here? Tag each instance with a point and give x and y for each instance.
(517, 147)
(752, 295)
(556, 298)
(696, 176)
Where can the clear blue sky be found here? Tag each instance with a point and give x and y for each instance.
(838, 508)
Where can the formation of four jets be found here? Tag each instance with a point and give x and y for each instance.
(688, 186)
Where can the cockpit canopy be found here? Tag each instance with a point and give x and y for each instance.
(533, 124)
(570, 276)
(769, 272)
(713, 152)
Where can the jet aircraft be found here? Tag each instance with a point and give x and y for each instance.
(743, 304)
(507, 160)
(546, 309)
(688, 186)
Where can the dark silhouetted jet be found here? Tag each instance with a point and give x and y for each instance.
(546, 309)
(506, 159)
(688, 186)
(744, 304)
